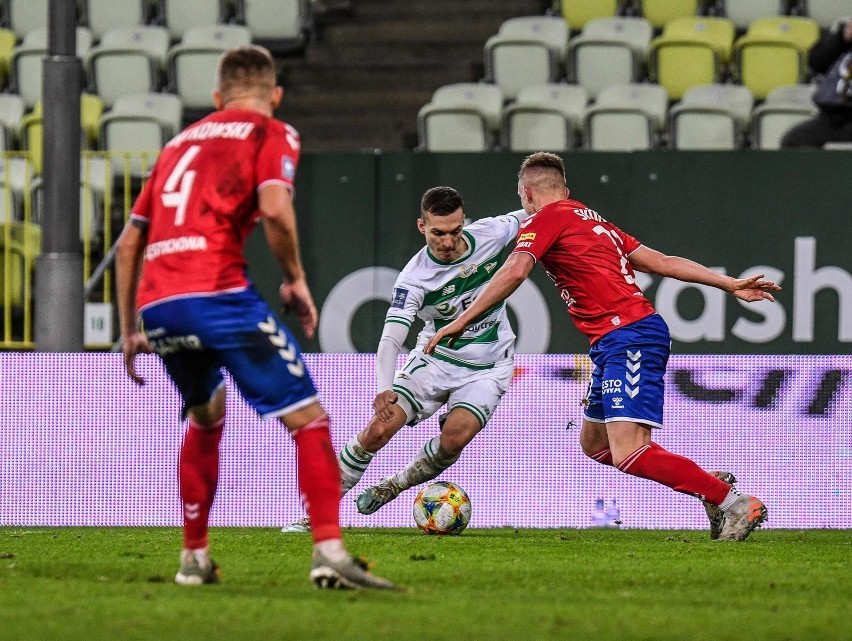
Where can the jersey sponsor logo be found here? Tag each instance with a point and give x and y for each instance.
(468, 270)
(288, 168)
(490, 267)
(449, 289)
(399, 297)
(611, 386)
(523, 245)
(175, 245)
(528, 236)
(170, 344)
(446, 309)
(480, 327)
(207, 130)
(616, 321)
(589, 214)
(617, 402)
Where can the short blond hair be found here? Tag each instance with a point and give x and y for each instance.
(246, 70)
(543, 171)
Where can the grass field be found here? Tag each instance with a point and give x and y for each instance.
(114, 584)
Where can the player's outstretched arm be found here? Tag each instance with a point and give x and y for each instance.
(749, 289)
(504, 282)
(128, 268)
(279, 222)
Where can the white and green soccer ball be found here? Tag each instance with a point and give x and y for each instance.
(442, 508)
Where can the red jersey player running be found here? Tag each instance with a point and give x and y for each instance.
(180, 263)
(592, 263)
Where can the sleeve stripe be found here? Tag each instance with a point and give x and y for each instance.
(401, 321)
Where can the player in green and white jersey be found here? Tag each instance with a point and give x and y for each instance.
(470, 378)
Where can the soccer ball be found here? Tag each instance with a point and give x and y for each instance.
(442, 508)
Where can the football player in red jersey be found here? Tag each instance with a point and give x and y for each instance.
(180, 267)
(592, 263)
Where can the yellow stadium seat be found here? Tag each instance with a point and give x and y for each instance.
(17, 259)
(773, 53)
(690, 52)
(578, 12)
(32, 129)
(7, 44)
(659, 12)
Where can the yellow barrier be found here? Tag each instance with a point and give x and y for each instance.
(109, 183)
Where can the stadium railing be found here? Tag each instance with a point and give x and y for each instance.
(106, 197)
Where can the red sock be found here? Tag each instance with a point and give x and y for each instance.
(319, 478)
(679, 473)
(198, 475)
(602, 456)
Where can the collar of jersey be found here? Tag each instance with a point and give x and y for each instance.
(471, 245)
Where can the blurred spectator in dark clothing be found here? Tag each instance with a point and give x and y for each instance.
(831, 56)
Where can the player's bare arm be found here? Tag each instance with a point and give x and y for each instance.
(130, 249)
(504, 282)
(753, 288)
(279, 221)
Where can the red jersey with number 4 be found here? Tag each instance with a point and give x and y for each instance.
(586, 257)
(201, 202)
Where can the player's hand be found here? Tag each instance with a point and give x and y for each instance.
(296, 297)
(451, 331)
(135, 343)
(754, 288)
(382, 404)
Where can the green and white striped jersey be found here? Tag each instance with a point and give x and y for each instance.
(438, 292)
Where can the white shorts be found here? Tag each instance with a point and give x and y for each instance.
(424, 384)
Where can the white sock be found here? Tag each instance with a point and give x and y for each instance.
(332, 549)
(427, 464)
(353, 461)
(732, 497)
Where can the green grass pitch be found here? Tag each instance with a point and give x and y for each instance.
(115, 584)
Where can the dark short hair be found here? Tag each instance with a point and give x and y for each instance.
(440, 201)
(543, 162)
(246, 69)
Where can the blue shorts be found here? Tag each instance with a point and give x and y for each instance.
(197, 336)
(628, 380)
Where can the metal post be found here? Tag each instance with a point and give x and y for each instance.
(59, 301)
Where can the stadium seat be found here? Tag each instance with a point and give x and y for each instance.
(527, 50)
(659, 12)
(280, 26)
(182, 15)
(625, 118)
(128, 60)
(102, 15)
(691, 51)
(609, 51)
(461, 117)
(192, 63)
(23, 248)
(32, 133)
(578, 12)
(783, 108)
(7, 45)
(773, 53)
(11, 113)
(23, 16)
(27, 62)
(743, 13)
(91, 223)
(827, 12)
(544, 117)
(137, 128)
(711, 117)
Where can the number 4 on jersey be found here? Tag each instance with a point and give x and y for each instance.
(178, 196)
